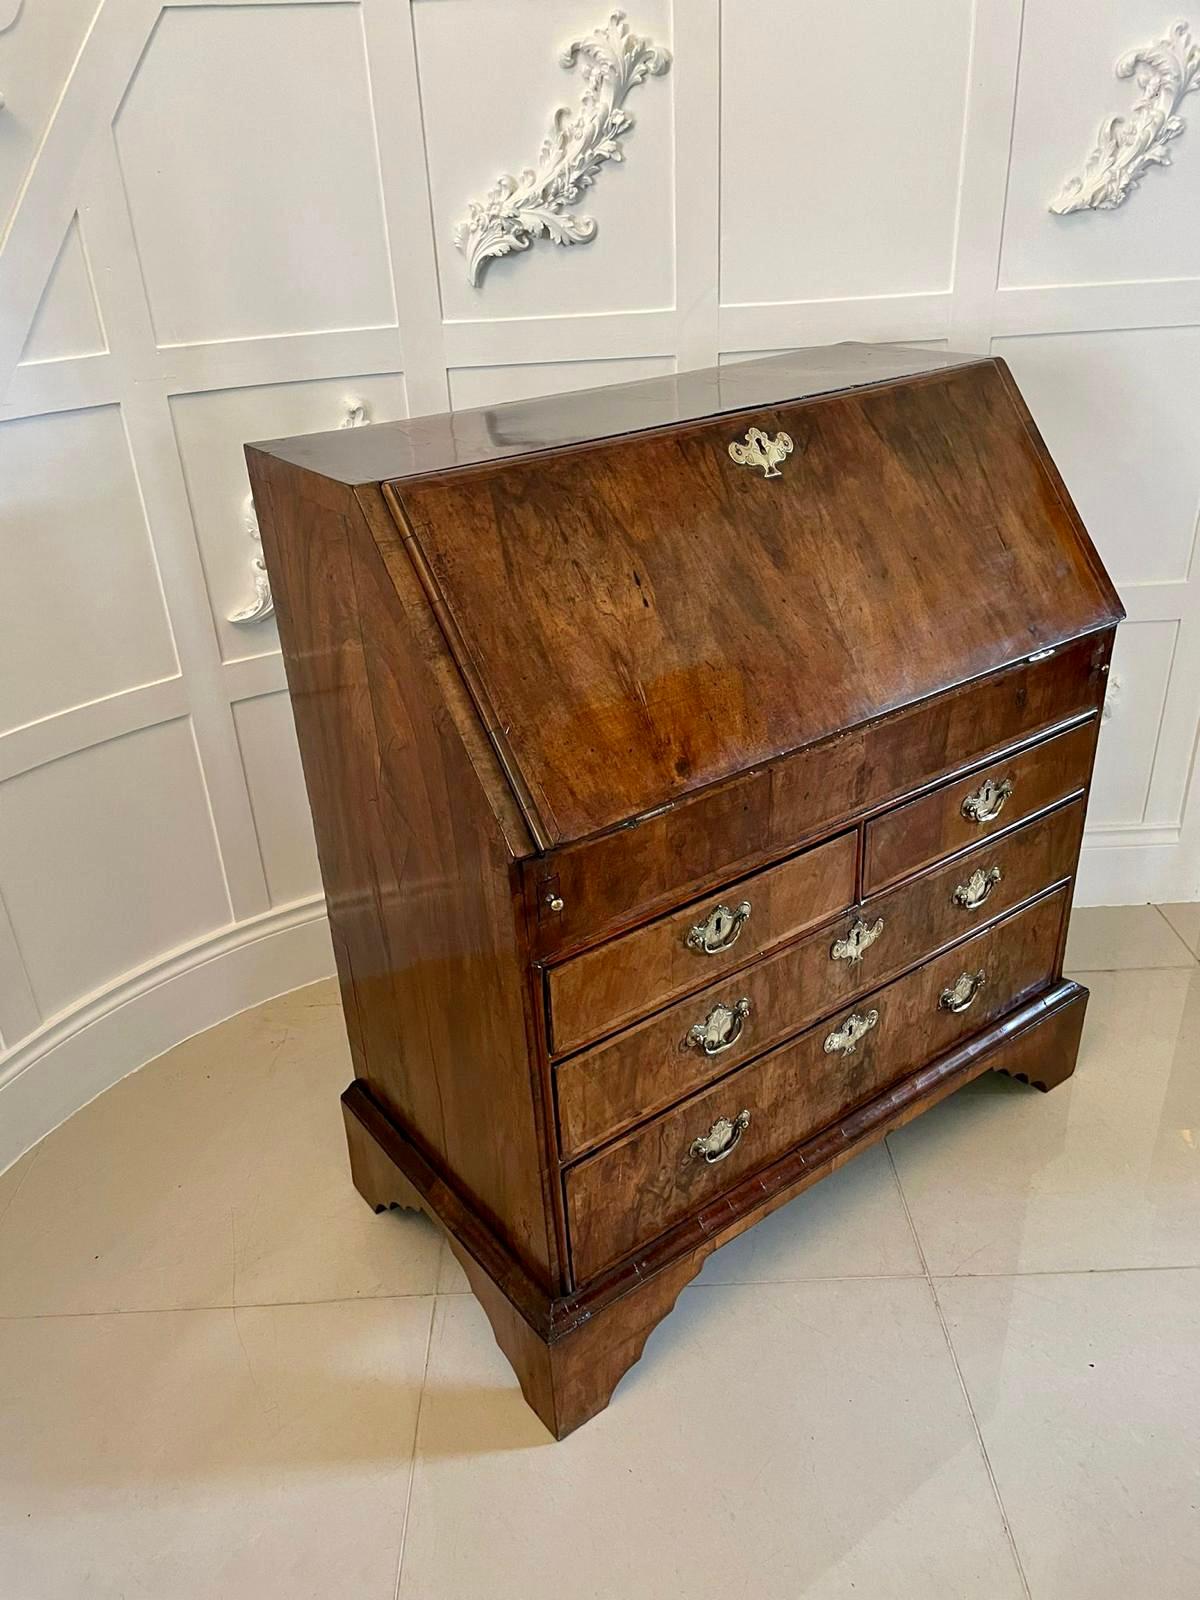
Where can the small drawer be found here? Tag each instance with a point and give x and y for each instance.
(640, 1072)
(597, 992)
(628, 1194)
(991, 799)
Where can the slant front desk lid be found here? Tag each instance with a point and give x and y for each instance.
(641, 615)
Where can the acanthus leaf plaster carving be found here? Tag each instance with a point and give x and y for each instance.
(518, 210)
(354, 415)
(263, 605)
(1127, 147)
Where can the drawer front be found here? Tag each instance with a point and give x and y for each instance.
(993, 798)
(598, 991)
(729, 830)
(628, 1194)
(607, 1089)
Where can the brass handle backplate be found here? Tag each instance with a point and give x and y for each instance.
(760, 451)
(721, 1139)
(721, 1028)
(986, 804)
(719, 930)
(857, 942)
(844, 1040)
(961, 994)
(979, 885)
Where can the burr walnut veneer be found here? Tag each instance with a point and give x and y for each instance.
(698, 770)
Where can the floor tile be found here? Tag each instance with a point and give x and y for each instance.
(1112, 938)
(209, 1455)
(12, 1180)
(451, 1277)
(1102, 1172)
(849, 1225)
(1087, 1393)
(1185, 919)
(217, 1172)
(784, 1440)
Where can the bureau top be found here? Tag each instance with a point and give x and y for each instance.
(638, 614)
(549, 422)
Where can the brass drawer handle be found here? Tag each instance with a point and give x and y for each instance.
(979, 885)
(844, 1040)
(721, 1140)
(961, 995)
(720, 929)
(760, 451)
(857, 942)
(721, 1028)
(986, 804)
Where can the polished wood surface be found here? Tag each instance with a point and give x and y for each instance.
(595, 663)
(621, 878)
(632, 1191)
(416, 864)
(596, 992)
(924, 830)
(559, 693)
(569, 1354)
(418, 445)
(643, 1069)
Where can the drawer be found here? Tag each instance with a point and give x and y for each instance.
(628, 1194)
(608, 1088)
(683, 851)
(991, 799)
(595, 993)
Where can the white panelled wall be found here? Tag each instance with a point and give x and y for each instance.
(225, 221)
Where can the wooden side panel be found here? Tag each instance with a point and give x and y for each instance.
(422, 890)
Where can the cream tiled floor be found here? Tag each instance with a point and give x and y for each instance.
(966, 1367)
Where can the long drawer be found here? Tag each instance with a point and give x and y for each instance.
(638, 1073)
(630, 1192)
(992, 798)
(598, 991)
(576, 893)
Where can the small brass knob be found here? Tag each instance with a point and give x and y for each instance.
(555, 902)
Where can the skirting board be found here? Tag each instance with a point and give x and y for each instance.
(1137, 866)
(47, 1077)
(44, 1079)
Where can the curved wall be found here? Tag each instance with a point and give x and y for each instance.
(231, 221)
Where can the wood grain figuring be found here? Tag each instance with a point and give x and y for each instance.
(935, 826)
(419, 871)
(556, 701)
(596, 992)
(633, 1190)
(642, 1070)
(569, 1354)
(563, 573)
(622, 877)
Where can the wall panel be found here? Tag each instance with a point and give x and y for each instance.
(81, 607)
(211, 427)
(236, 221)
(841, 146)
(249, 159)
(108, 859)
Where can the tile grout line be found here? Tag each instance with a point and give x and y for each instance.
(1194, 954)
(733, 1283)
(937, 1306)
(412, 1460)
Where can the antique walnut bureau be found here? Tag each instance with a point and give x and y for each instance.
(698, 769)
